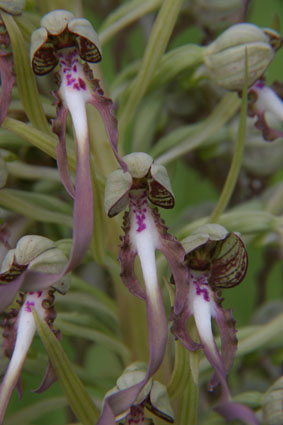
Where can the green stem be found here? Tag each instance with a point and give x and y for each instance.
(156, 46)
(180, 374)
(232, 177)
(224, 111)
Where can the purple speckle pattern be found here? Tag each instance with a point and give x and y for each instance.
(139, 207)
(69, 67)
(29, 304)
(259, 84)
(201, 286)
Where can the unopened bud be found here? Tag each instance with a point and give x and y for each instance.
(225, 58)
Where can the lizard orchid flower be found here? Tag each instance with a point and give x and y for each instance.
(38, 254)
(216, 260)
(264, 100)
(71, 43)
(35, 264)
(145, 233)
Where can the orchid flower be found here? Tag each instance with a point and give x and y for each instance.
(38, 254)
(152, 397)
(35, 264)
(265, 100)
(145, 233)
(64, 40)
(215, 259)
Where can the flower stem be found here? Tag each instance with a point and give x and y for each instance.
(236, 161)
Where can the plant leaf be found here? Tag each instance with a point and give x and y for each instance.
(75, 392)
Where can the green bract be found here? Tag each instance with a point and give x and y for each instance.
(211, 248)
(225, 57)
(60, 29)
(142, 174)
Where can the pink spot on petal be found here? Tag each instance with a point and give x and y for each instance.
(75, 68)
(82, 84)
(28, 306)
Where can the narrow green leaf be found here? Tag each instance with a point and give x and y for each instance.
(156, 46)
(30, 413)
(90, 334)
(11, 200)
(32, 172)
(25, 78)
(45, 142)
(75, 392)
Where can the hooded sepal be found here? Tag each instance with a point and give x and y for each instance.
(35, 264)
(142, 174)
(60, 29)
(262, 100)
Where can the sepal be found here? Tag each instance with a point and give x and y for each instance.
(59, 29)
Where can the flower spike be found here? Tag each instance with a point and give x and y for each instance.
(215, 259)
(145, 232)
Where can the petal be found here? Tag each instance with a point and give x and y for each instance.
(8, 291)
(231, 411)
(105, 107)
(25, 333)
(180, 329)
(174, 253)
(226, 324)
(127, 255)
(229, 262)
(202, 306)
(59, 128)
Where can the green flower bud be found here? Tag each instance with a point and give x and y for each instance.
(59, 29)
(225, 57)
